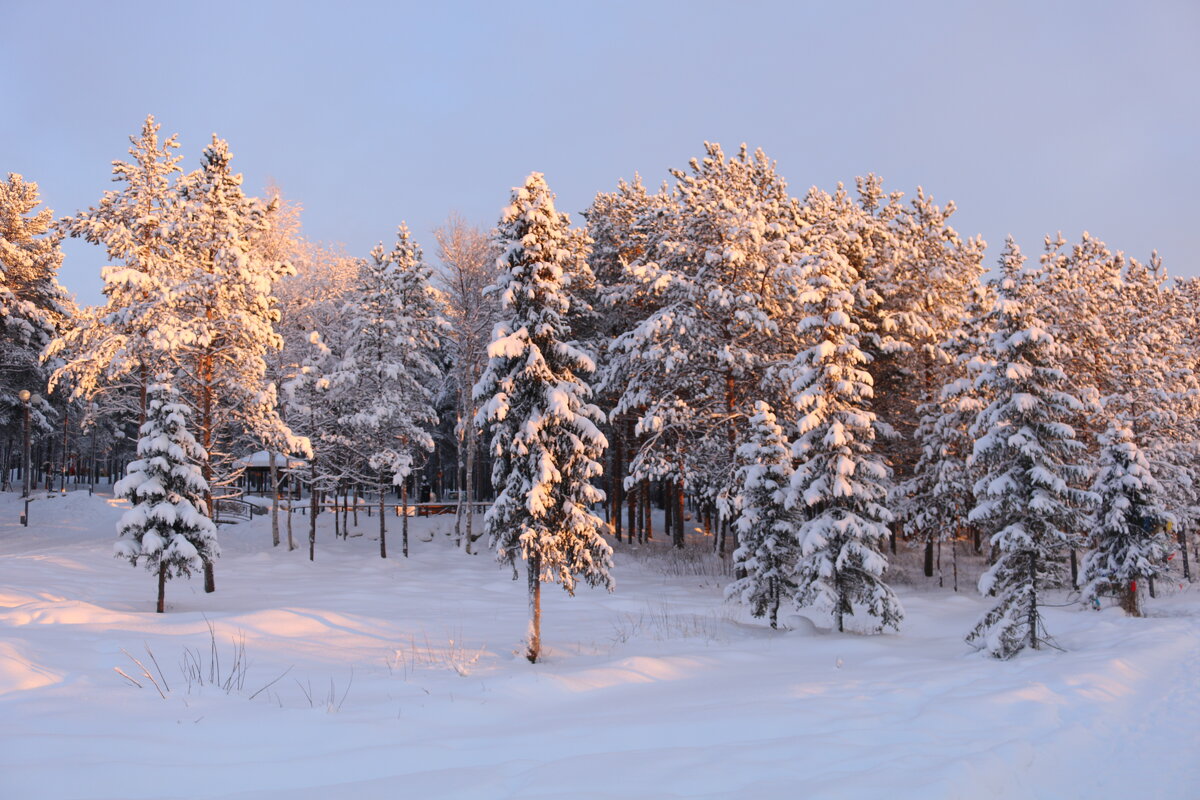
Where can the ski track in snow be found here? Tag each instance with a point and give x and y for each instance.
(406, 677)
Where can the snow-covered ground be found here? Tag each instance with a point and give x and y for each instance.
(365, 678)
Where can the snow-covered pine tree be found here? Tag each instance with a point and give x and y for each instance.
(534, 403)
(717, 276)
(223, 313)
(768, 550)
(315, 406)
(1032, 465)
(34, 307)
(840, 484)
(166, 529)
(118, 345)
(1129, 525)
(388, 369)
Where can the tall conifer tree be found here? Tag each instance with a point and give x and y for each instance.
(534, 403)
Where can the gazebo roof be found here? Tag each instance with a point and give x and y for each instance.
(262, 460)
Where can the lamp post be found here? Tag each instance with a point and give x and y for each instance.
(25, 398)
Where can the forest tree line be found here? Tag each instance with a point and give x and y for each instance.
(813, 379)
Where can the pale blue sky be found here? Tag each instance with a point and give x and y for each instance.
(1032, 116)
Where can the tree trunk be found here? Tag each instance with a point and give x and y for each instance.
(312, 510)
(1129, 599)
(291, 541)
(162, 587)
(839, 606)
(534, 567)
(470, 484)
(1033, 612)
(677, 535)
(929, 558)
(274, 501)
(337, 515)
(668, 496)
(633, 501)
(1074, 570)
(204, 374)
(1187, 570)
(404, 516)
(774, 594)
(382, 519)
(618, 489)
(647, 511)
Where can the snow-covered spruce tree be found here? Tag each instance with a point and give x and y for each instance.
(533, 400)
(166, 529)
(1028, 498)
(840, 483)
(1129, 526)
(768, 550)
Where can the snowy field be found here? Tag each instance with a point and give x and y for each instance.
(363, 678)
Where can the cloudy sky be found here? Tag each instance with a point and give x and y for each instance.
(1033, 117)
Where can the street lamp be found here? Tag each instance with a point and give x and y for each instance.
(27, 399)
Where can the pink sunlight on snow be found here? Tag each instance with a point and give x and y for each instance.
(354, 676)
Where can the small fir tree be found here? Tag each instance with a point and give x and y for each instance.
(1028, 498)
(1129, 528)
(534, 403)
(165, 529)
(768, 551)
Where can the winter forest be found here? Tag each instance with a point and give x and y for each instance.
(814, 398)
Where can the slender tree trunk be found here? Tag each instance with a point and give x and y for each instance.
(647, 511)
(1074, 570)
(954, 561)
(291, 541)
(382, 519)
(470, 476)
(162, 587)
(313, 508)
(941, 577)
(460, 477)
(534, 567)
(274, 501)
(206, 411)
(678, 537)
(1187, 570)
(929, 557)
(1033, 612)
(337, 515)
(404, 515)
(618, 488)
(774, 594)
(839, 607)
(633, 501)
(668, 489)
